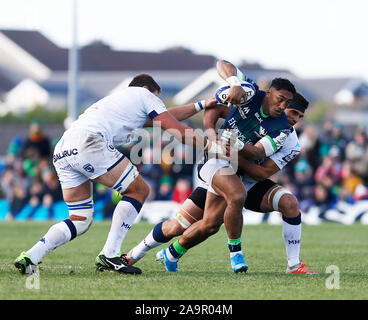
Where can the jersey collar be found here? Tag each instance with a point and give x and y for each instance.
(262, 114)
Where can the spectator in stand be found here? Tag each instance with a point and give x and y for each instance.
(350, 179)
(179, 168)
(166, 161)
(51, 190)
(6, 183)
(322, 198)
(339, 141)
(37, 141)
(310, 146)
(182, 190)
(19, 200)
(326, 138)
(357, 153)
(46, 191)
(303, 180)
(166, 189)
(14, 150)
(150, 171)
(329, 172)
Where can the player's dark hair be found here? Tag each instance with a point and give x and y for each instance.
(142, 80)
(299, 102)
(283, 84)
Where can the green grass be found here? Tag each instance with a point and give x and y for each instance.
(204, 272)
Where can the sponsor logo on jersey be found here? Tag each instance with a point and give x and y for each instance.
(89, 168)
(261, 132)
(244, 111)
(290, 156)
(258, 116)
(234, 127)
(65, 153)
(110, 147)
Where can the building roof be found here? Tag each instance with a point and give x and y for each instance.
(40, 47)
(100, 57)
(5, 83)
(327, 88)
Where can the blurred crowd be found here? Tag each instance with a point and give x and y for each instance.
(28, 178)
(332, 166)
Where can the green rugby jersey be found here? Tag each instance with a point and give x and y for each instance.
(250, 123)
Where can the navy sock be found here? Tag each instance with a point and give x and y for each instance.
(173, 252)
(234, 245)
(293, 221)
(158, 235)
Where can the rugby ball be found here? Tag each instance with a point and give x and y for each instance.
(222, 92)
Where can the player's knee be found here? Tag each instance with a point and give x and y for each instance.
(138, 190)
(236, 198)
(181, 221)
(172, 228)
(211, 227)
(82, 223)
(126, 179)
(80, 217)
(289, 205)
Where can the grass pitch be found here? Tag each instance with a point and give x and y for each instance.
(68, 273)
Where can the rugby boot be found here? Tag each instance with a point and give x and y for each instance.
(238, 264)
(117, 263)
(24, 264)
(129, 261)
(299, 269)
(163, 259)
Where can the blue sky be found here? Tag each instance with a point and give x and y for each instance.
(315, 38)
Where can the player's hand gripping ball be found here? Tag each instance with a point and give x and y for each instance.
(223, 92)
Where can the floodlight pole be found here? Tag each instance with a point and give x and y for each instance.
(73, 70)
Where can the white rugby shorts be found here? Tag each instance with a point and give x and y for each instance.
(81, 155)
(208, 170)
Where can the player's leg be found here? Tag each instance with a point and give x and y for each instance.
(278, 198)
(196, 233)
(225, 200)
(124, 178)
(190, 212)
(232, 189)
(81, 156)
(80, 206)
(222, 180)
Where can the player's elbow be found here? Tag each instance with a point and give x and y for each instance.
(221, 63)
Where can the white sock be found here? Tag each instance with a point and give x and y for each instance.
(140, 250)
(123, 218)
(292, 237)
(56, 236)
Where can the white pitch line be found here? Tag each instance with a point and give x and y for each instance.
(7, 266)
